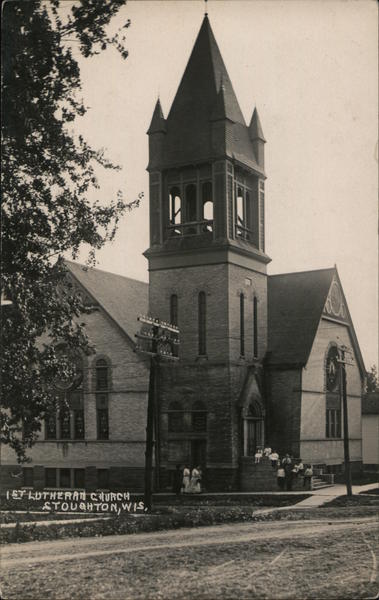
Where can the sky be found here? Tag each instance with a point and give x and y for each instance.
(311, 68)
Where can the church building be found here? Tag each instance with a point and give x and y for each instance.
(255, 349)
(258, 357)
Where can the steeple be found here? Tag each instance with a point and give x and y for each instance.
(158, 123)
(255, 127)
(157, 134)
(257, 138)
(204, 96)
(206, 169)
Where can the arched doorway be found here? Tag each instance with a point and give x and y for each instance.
(252, 427)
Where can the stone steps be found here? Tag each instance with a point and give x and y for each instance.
(319, 484)
(262, 477)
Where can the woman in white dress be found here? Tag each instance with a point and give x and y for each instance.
(186, 480)
(195, 481)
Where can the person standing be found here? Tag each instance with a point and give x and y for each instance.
(186, 480)
(308, 474)
(194, 487)
(178, 480)
(300, 467)
(287, 465)
(274, 457)
(280, 476)
(200, 478)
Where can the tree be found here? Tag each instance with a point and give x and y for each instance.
(372, 380)
(48, 177)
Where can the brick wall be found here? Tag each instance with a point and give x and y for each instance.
(315, 447)
(284, 410)
(127, 400)
(217, 378)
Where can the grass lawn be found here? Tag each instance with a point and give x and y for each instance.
(359, 478)
(365, 499)
(322, 564)
(27, 517)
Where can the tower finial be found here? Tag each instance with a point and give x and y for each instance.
(206, 13)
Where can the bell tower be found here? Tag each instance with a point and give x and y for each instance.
(207, 266)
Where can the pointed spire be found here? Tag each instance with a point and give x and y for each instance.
(158, 123)
(257, 138)
(255, 127)
(223, 109)
(198, 90)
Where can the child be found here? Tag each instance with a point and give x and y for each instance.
(258, 455)
(308, 474)
(274, 457)
(300, 467)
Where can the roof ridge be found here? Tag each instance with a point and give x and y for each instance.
(88, 268)
(301, 272)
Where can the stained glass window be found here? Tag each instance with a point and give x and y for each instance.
(101, 374)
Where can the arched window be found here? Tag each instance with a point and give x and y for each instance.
(102, 413)
(68, 421)
(333, 397)
(207, 204)
(101, 374)
(102, 409)
(175, 417)
(64, 422)
(174, 309)
(202, 309)
(199, 416)
(191, 202)
(242, 325)
(255, 327)
(51, 426)
(175, 205)
(240, 207)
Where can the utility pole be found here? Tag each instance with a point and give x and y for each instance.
(158, 340)
(342, 363)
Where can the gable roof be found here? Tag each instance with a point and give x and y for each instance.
(295, 305)
(370, 403)
(122, 298)
(205, 92)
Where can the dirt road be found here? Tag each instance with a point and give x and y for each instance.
(297, 559)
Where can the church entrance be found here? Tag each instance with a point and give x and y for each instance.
(252, 416)
(253, 437)
(253, 431)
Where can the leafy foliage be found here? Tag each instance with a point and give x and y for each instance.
(372, 380)
(48, 177)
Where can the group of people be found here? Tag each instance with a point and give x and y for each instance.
(187, 481)
(287, 468)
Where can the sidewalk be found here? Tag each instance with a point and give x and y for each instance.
(320, 497)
